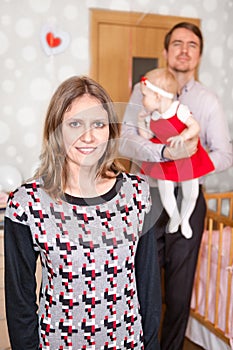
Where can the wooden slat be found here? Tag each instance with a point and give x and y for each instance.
(229, 284)
(217, 218)
(208, 269)
(218, 277)
(197, 280)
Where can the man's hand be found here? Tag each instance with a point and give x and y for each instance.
(185, 150)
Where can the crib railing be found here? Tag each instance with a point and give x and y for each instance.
(218, 224)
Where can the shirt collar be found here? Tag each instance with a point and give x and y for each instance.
(170, 112)
(188, 86)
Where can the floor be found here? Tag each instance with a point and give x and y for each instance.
(188, 345)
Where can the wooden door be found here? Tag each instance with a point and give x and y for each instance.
(117, 39)
(121, 41)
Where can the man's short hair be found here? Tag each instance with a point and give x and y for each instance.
(187, 25)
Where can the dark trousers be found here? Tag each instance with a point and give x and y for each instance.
(178, 257)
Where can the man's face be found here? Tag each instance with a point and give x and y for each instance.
(183, 53)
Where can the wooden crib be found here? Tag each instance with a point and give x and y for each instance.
(211, 319)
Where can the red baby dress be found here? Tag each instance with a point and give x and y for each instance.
(180, 170)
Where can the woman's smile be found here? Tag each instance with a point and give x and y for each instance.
(86, 150)
(85, 131)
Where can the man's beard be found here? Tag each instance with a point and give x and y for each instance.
(180, 70)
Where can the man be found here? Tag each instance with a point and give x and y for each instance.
(183, 47)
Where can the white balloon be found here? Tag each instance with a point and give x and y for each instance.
(10, 178)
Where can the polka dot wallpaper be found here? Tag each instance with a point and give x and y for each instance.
(31, 69)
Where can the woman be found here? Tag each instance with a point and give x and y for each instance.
(83, 216)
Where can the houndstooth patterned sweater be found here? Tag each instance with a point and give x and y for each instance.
(88, 297)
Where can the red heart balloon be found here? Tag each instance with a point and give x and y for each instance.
(52, 40)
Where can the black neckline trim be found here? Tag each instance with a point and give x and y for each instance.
(96, 200)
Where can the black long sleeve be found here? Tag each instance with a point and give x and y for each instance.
(20, 286)
(149, 286)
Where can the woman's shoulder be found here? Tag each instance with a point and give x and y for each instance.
(21, 193)
(19, 200)
(136, 180)
(140, 191)
(133, 177)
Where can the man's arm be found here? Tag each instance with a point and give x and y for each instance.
(218, 139)
(133, 146)
(214, 134)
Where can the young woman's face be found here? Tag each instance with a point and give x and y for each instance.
(85, 131)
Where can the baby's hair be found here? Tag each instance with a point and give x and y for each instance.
(164, 79)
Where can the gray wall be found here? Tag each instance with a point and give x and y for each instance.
(30, 73)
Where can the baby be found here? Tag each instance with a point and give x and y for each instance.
(166, 121)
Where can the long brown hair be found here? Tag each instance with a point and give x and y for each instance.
(53, 166)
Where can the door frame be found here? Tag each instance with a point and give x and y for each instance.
(98, 17)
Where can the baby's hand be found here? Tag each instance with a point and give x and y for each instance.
(176, 141)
